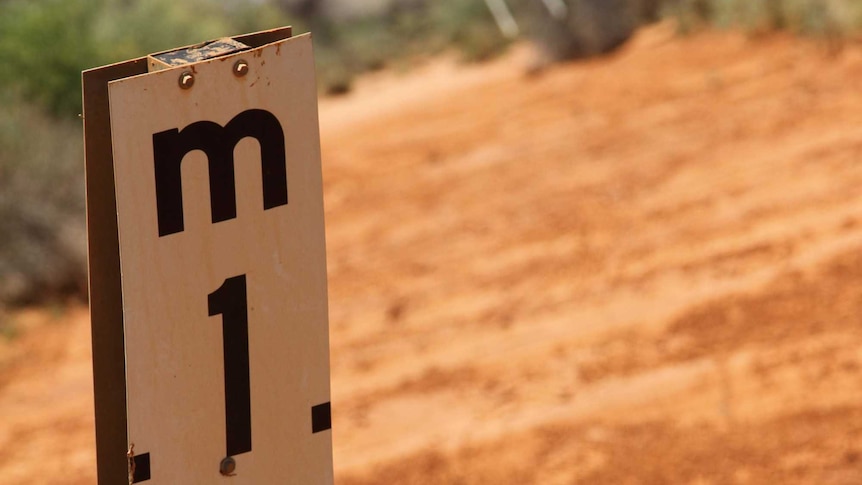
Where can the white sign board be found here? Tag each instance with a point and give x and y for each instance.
(223, 269)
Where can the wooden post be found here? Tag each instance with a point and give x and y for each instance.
(207, 265)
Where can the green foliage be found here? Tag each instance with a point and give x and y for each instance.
(9, 332)
(45, 44)
(468, 25)
(830, 18)
(42, 243)
(345, 48)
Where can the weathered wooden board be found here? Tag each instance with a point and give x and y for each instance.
(222, 259)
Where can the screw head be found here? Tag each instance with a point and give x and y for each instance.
(240, 68)
(187, 80)
(227, 466)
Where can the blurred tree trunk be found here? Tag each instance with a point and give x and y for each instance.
(587, 27)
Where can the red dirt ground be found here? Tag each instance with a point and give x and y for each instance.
(641, 269)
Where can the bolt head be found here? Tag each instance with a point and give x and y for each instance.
(240, 68)
(187, 80)
(227, 466)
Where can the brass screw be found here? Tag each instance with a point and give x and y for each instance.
(227, 467)
(240, 68)
(187, 80)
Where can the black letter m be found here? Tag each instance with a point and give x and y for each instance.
(169, 148)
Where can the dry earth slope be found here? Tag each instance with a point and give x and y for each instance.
(645, 268)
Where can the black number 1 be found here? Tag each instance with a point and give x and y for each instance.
(230, 301)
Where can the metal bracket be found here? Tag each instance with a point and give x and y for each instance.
(195, 53)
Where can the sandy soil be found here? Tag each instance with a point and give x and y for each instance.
(642, 269)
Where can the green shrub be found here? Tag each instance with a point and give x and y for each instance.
(42, 239)
(409, 28)
(468, 26)
(832, 18)
(588, 27)
(45, 44)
